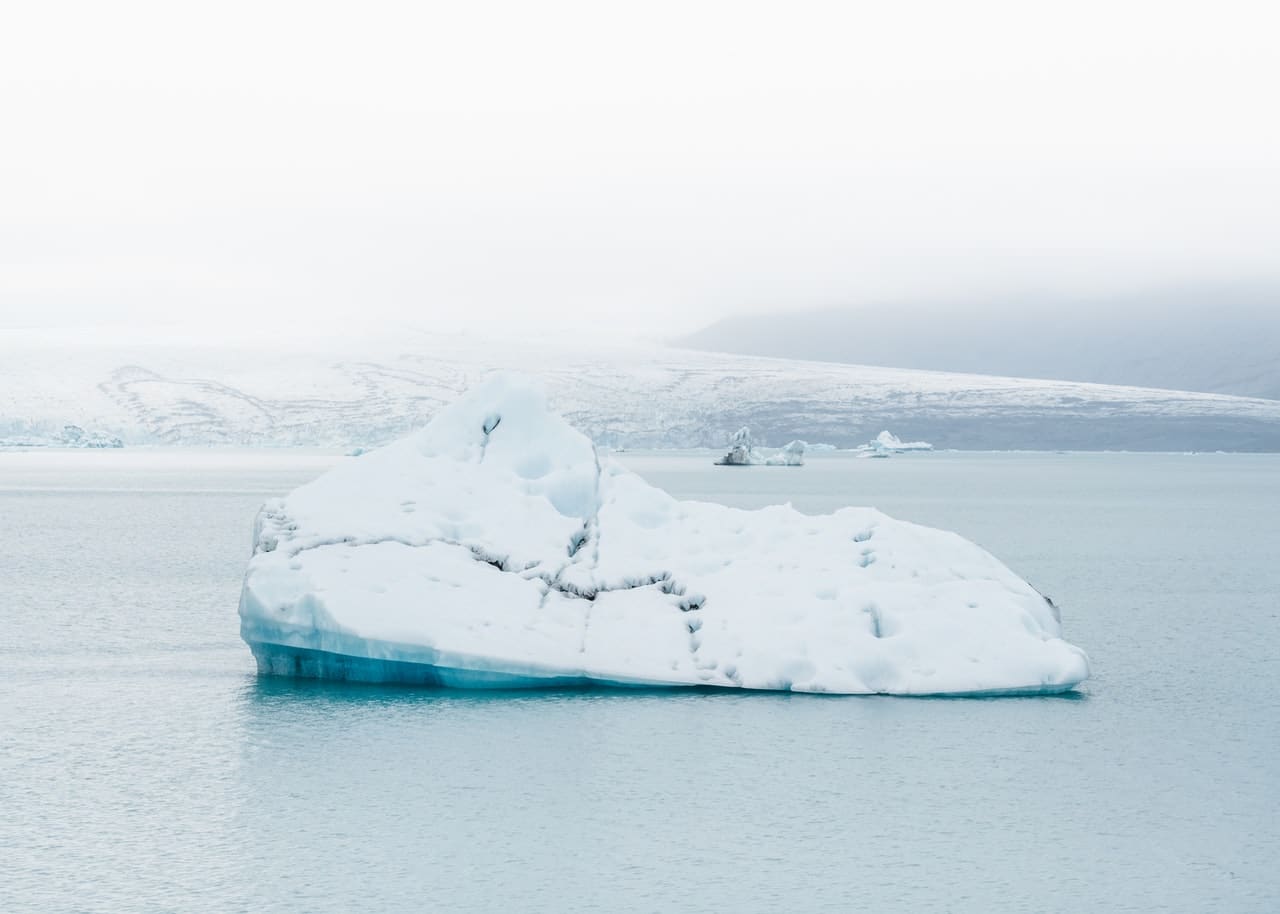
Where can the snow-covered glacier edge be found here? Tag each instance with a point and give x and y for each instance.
(368, 392)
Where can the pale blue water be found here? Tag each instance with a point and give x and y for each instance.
(144, 767)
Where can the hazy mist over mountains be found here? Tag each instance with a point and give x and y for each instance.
(197, 235)
(1217, 340)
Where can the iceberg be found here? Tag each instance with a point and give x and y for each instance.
(743, 453)
(886, 443)
(497, 548)
(891, 442)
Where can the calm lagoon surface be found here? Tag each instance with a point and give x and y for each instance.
(144, 766)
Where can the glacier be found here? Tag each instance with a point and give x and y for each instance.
(496, 547)
(70, 436)
(376, 386)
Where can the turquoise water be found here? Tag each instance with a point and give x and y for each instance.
(144, 767)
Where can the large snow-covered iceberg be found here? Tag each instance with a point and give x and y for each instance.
(495, 548)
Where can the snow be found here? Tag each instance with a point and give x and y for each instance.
(368, 391)
(497, 548)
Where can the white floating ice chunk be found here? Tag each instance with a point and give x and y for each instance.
(888, 441)
(743, 453)
(494, 548)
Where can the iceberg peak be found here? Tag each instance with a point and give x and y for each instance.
(496, 548)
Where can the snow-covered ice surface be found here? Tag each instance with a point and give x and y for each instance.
(496, 548)
(366, 392)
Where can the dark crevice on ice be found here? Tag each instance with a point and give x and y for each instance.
(662, 579)
(692, 603)
(874, 613)
(1053, 607)
(490, 423)
(577, 554)
(578, 540)
(590, 533)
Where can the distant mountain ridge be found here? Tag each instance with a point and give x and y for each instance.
(1213, 340)
(367, 392)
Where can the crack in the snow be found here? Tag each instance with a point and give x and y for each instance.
(280, 524)
(490, 423)
(874, 612)
(501, 563)
(590, 528)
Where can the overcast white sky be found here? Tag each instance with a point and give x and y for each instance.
(647, 166)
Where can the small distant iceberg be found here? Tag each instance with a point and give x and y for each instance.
(744, 453)
(886, 443)
(497, 548)
(891, 442)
